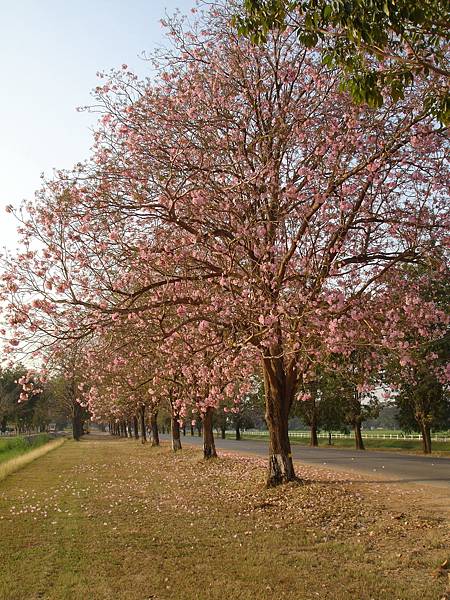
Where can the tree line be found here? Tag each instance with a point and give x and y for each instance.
(241, 221)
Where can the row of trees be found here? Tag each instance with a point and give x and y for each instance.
(329, 403)
(44, 407)
(241, 219)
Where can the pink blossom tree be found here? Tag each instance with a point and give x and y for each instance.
(290, 204)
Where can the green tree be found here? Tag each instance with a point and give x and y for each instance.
(423, 404)
(9, 397)
(421, 379)
(351, 384)
(423, 399)
(379, 45)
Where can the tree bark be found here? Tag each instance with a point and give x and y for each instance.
(143, 428)
(176, 440)
(238, 432)
(426, 436)
(135, 427)
(223, 432)
(313, 440)
(154, 428)
(278, 398)
(209, 447)
(359, 443)
(329, 438)
(192, 430)
(77, 422)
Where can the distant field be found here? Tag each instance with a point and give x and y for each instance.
(370, 443)
(15, 446)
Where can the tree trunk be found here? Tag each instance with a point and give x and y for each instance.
(199, 429)
(329, 438)
(135, 427)
(192, 430)
(176, 441)
(238, 432)
(184, 429)
(209, 448)
(77, 422)
(359, 443)
(278, 399)
(426, 436)
(313, 440)
(154, 428)
(143, 428)
(223, 432)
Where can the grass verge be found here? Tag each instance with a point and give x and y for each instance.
(414, 446)
(10, 447)
(14, 464)
(108, 518)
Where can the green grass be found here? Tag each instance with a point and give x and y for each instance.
(15, 446)
(18, 462)
(370, 444)
(109, 518)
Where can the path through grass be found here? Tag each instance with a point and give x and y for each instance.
(107, 518)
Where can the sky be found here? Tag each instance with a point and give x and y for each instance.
(50, 52)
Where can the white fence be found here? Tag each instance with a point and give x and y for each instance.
(365, 435)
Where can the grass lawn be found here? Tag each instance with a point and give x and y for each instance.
(112, 519)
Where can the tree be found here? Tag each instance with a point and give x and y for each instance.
(309, 409)
(419, 369)
(252, 218)
(379, 46)
(321, 403)
(27, 402)
(423, 403)
(10, 392)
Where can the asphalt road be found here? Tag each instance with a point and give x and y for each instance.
(402, 468)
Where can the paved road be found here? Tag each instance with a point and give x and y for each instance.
(403, 468)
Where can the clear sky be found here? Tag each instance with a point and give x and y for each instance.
(50, 51)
